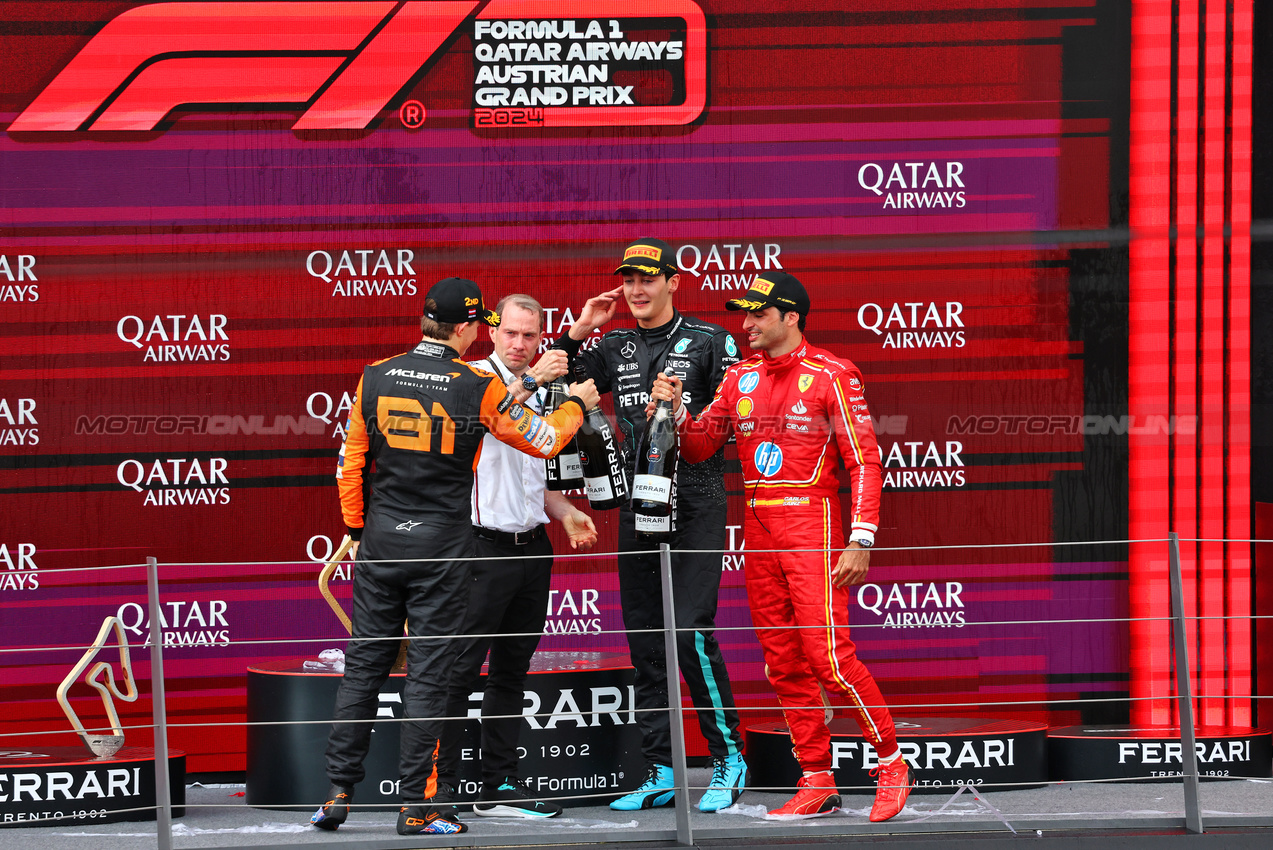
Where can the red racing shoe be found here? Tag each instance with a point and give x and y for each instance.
(892, 788)
(816, 794)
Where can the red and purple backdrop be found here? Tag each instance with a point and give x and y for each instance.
(216, 212)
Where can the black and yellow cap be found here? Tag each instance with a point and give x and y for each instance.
(773, 289)
(652, 256)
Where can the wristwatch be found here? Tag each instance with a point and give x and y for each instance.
(862, 541)
(529, 382)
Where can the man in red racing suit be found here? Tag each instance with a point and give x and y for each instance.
(797, 411)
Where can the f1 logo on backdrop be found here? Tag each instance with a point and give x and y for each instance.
(343, 61)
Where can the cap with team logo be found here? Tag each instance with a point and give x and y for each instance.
(458, 300)
(773, 289)
(652, 256)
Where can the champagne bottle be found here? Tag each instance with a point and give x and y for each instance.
(656, 528)
(599, 457)
(564, 471)
(652, 485)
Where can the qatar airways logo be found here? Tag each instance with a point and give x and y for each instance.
(341, 64)
(168, 482)
(176, 337)
(185, 622)
(915, 604)
(364, 271)
(915, 324)
(917, 185)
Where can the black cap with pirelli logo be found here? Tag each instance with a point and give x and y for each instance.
(652, 256)
(773, 289)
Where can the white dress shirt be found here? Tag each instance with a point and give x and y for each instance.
(508, 485)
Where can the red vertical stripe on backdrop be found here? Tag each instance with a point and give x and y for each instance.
(1211, 432)
(1238, 456)
(1183, 341)
(1148, 361)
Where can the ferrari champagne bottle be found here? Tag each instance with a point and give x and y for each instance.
(564, 472)
(599, 457)
(653, 482)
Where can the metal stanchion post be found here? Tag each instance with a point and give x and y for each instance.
(159, 713)
(680, 770)
(1189, 756)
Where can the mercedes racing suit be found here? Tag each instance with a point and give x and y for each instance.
(421, 417)
(795, 418)
(625, 363)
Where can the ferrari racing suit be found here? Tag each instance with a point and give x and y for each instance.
(795, 418)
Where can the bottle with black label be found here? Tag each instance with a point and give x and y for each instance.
(564, 471)
(599, 457)
(654, 479)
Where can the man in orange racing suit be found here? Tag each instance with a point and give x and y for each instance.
(797, 411)
(421, 417)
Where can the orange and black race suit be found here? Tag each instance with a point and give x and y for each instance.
(796, 417)
(420, 417)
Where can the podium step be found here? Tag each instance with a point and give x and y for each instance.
(69, 786)
(1123, 752)
(944, 752)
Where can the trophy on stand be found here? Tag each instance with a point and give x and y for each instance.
(102, 746)
(109, 782)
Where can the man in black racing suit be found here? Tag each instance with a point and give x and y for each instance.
(625, 363)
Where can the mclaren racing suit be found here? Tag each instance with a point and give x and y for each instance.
(795, 418)
(421, 417)
(625, 363)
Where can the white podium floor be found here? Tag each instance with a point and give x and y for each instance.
(1236, 813)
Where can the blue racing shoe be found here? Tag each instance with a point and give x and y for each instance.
(426, 820)
(656, 790)
(729, 777)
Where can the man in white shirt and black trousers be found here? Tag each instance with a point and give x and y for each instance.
(511, 506)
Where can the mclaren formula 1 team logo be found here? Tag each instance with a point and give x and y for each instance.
(344, 63)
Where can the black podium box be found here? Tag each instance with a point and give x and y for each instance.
(1154, 753)
(589, 744)
(944, 752)
(69, 786)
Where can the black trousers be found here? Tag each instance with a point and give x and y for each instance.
(695, 588)
(431, 596)
(508, 596)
